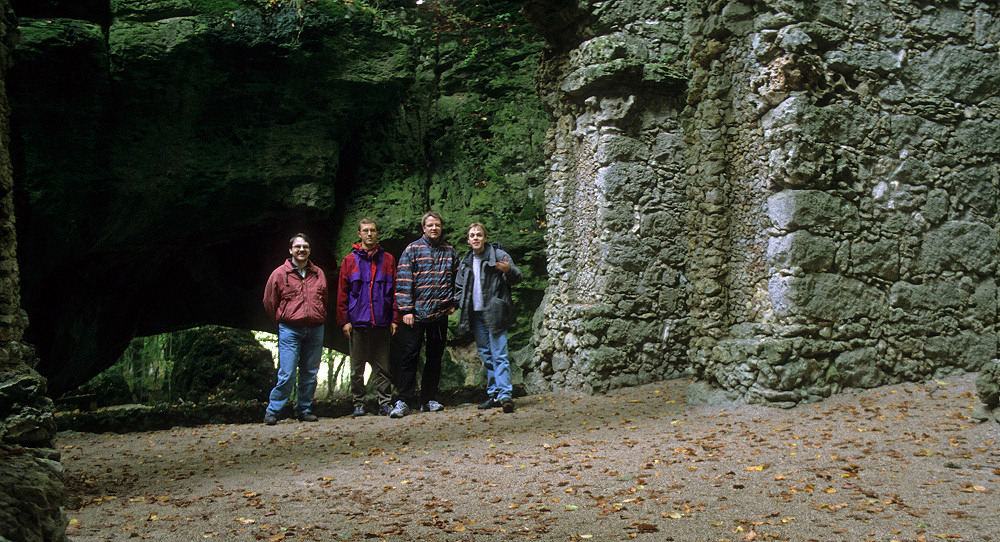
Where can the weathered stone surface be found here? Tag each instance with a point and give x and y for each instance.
(817, 211)
(988, 384)
(860, 369)
(957, 72)
(811, 253)
(841, 200)
(33, 497)
(959, 246)
(25, 411)
(824, 296)
(32, 494)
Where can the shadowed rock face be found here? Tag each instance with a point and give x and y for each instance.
(166, 164)
(32, 493)
(166, 156)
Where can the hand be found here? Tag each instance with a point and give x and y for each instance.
(503, 266)
(392, 328)
(450, 310)
(347, 330)
(408, 319)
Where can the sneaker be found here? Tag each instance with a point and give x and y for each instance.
(508, 406)
(270, 419)
(359, 411)
(432, 406)
(401, 409)
(308, 417)
(385, 409)
(488, 404)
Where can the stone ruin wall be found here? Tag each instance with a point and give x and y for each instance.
(32, 494)
(814, 210)
(615, 314)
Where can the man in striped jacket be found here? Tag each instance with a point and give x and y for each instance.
(425, 296)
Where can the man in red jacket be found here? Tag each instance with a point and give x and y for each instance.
(366, 311)
(295, 298)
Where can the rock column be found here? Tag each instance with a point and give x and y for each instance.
(32, 493)
(614, 314)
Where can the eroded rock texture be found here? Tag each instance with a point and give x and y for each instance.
(814, 209)
(32, 494)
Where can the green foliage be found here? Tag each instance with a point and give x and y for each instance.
(198, 364)
(466, 141)
(139, 376)
(222, 8)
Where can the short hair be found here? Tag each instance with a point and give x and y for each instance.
(430, 214)
(296, 236)
(367, 220)
(477, 225)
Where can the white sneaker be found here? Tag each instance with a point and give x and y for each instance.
(432, 406)
(401, 409)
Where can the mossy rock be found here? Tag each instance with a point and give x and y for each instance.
(218, 363)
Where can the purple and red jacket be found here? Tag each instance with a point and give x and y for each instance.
(367, 293)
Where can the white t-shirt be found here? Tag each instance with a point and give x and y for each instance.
(477, 280)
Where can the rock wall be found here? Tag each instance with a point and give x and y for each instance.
(32, 494)
(815, 210)
(167, 149)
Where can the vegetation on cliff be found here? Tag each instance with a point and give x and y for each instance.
(175, 145)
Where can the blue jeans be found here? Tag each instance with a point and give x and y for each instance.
(302, 348)
(493, 349)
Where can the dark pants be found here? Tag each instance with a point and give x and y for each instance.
(413, 337)
(371, 345)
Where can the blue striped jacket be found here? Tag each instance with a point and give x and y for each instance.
(425, 279)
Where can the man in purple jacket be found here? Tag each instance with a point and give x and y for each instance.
(366, 311)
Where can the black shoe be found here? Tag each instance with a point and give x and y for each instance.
(508, 406)
(488, 404)
(359, 411)
(270, 420)
(308, 417)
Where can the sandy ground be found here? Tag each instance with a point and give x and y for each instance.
(897, 463)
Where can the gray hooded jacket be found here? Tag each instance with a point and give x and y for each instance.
(498, 309)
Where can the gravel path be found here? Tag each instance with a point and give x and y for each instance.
(902, 462)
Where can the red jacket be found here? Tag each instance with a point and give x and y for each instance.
(291, 299)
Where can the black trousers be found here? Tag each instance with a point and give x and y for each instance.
(413, 337)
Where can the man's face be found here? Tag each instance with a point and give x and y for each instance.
(299, 251)
(368, 235)
(477, 240)
(432, 228)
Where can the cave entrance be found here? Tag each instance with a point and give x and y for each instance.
(199, 364)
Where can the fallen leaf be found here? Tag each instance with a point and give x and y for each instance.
(645, 527)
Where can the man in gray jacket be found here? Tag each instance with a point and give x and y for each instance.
(483, 281)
